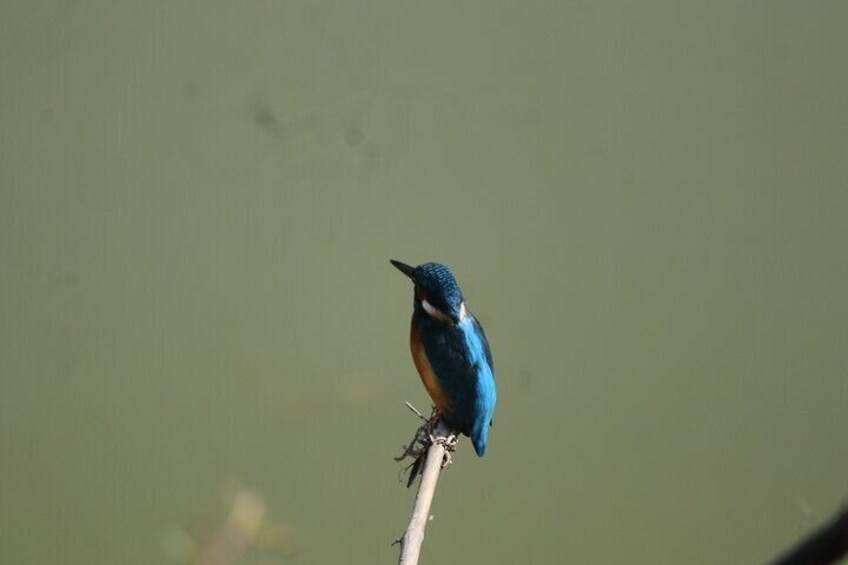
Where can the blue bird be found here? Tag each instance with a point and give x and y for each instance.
(451, 353)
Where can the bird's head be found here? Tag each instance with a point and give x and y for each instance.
(436, 291)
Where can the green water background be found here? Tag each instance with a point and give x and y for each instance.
(645, 204)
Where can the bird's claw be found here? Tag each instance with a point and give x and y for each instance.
(449, 443)
(424, 437)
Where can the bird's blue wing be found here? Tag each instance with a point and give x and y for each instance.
(461, 360)
(481, 336)
(486, 394)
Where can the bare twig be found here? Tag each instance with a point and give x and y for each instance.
(415, 411)
(825, 545)
(420, 443)
(439, 442)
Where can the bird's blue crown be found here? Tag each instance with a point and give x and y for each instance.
(436, 284)
(439, 284)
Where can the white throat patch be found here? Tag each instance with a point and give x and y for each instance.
(434, 312)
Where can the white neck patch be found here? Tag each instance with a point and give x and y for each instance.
(434, 312)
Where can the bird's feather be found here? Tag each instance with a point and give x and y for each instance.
(458, 368)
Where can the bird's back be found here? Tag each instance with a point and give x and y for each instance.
(460, 360)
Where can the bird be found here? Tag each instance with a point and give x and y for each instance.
(451, 353)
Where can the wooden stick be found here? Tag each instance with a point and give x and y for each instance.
(410, 543)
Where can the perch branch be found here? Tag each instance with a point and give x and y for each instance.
(440, 441)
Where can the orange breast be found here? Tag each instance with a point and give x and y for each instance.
(428, 377)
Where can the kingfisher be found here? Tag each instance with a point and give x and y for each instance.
(451, 353)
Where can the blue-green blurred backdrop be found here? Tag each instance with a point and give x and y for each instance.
(645, 204)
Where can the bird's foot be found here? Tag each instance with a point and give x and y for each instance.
(425, 436)
(449, 443)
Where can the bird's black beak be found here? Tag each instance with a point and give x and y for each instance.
(404, 268)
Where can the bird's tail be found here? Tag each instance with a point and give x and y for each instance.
(479, 437)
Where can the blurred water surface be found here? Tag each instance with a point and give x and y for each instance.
(645, 204)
